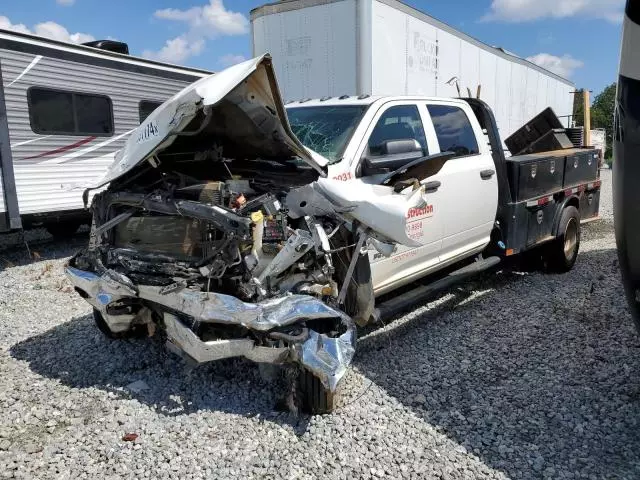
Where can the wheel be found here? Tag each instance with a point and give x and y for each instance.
(63, 230)
(561, 254)
(102, 325)
(314, 398)
(359, 302)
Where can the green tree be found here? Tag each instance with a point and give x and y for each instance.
(578, 108)
(602, 114)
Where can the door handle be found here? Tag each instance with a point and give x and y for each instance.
(431, 187)
(487, 174)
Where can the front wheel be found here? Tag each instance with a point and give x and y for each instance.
(101, 323)
(561, 254)
(314, 397)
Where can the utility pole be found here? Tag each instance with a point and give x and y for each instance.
(587, 117)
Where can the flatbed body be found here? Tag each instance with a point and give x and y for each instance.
(535, 188)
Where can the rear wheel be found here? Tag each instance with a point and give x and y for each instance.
(561, 254)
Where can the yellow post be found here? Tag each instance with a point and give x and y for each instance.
(587, 118)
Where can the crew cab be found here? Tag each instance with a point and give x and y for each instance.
(236, 227)
(477, 200)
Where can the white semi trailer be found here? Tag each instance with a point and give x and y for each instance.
(323, 48)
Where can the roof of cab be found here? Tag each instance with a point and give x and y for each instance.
(341, 100)
(365, 100)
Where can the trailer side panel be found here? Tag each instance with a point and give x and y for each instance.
(314, 49)
(414, 54)
(52, 170)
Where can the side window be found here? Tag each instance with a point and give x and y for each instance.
(401, 122)
(93, 114)
(51, 111)
(453, 130)
(145, 107)
(56, 112)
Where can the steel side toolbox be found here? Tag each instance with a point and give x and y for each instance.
(581, 166)
(540, 223)
(536, 174)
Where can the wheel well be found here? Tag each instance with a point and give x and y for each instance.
(572, 202)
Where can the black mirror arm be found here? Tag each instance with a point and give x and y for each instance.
(443, 157)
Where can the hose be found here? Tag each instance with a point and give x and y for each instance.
(301, 337)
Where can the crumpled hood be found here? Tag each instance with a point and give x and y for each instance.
(247, 117)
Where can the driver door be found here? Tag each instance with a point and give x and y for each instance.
(394, 123)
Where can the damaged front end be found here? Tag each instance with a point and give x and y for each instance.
(208, 326)
(220, 266)
(215, 229)
(194, 235)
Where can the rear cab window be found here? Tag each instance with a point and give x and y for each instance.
(453, 130)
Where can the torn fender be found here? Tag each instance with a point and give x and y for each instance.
(378, 207)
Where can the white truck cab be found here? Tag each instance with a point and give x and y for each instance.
(462, 196)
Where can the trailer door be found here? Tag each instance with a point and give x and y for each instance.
(9, 213)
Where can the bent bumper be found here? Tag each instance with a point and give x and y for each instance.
(327, 357)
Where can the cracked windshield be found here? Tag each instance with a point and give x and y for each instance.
(326, 129)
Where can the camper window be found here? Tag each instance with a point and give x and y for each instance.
(145, 107)
(69, 113)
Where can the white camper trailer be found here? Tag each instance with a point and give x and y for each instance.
(64, 111)
(323, 48)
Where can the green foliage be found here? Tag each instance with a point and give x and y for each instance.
(601, 113)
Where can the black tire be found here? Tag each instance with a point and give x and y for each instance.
(360, 300)
(63, 230)
(561, 254)
(314, 398)
(106, 331)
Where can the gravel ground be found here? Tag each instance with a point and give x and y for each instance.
(515, 375)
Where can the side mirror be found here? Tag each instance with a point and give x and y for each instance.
(395, 147)
(391, 155)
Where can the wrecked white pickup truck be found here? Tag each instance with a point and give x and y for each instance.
(218, 227)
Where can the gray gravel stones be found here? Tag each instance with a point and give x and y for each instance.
(513, 375)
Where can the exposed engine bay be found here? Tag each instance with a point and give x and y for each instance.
(230, 236)
(223, 264)
(217, 230)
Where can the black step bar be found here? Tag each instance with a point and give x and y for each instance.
(406, 301)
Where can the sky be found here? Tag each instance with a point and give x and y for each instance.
(578, 39)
